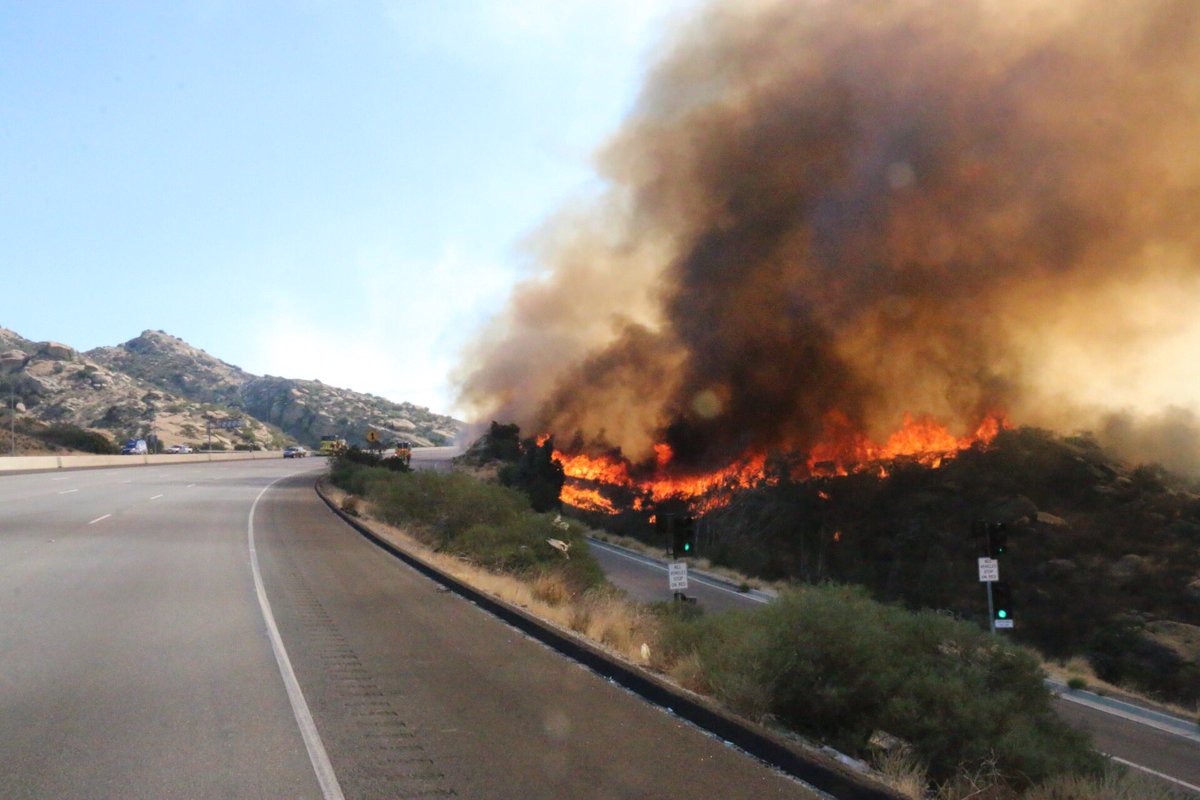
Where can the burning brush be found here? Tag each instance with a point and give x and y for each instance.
(609, 483)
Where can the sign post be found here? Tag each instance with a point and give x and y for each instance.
(224, 424)
(989, 573)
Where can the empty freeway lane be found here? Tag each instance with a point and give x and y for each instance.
(213, 631)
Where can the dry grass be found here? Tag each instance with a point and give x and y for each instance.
(903, 772)
(688, 672)
(696, 564)
(628, 631)
(1117, 784)
(604, 618)
(1079, 668)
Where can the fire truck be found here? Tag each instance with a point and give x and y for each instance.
(332, 445)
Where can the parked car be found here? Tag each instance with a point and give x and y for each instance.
(295, 451)
(179, 448)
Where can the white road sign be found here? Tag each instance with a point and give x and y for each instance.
(1004, 623)
(677, 572)
(989, 570)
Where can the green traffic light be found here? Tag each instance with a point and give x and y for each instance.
(1002, 614)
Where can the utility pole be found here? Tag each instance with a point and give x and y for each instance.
(12, 422)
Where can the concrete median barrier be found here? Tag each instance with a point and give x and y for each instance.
(43, 463)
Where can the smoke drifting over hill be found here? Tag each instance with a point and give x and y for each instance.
(873, 207)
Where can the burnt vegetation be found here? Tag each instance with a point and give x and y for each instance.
(1101, 555)
(524, 464)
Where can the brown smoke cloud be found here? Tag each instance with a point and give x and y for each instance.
(872, 206)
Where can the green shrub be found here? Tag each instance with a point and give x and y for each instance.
(521, 546)
(443, 506)
(831, 663)
(487, 524)
(369, 458)
(536, 473)
(73, 437)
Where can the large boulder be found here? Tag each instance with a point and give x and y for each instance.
(56, 351)
(12, 360)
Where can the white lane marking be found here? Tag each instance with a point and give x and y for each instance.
(99, 519)
(649, 562)
(60, 479)
(190, 485)
(69, 491)
(330, 787)
(1140, 719)
(1155, 773)
(156, 497)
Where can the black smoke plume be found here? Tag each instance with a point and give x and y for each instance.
(864, 206)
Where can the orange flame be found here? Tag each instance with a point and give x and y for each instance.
(601, 469)
(922, 439)
(587, 499)
(843, 450)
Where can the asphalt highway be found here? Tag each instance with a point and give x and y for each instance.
(213, 631)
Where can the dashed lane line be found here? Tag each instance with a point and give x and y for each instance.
(99, 519)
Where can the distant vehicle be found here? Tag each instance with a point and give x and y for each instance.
(179, 448)
(332, 445)
(404, 452)
(295, 452)
(135, 447)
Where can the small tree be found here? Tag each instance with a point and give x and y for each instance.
(503, 442)
(538, 474)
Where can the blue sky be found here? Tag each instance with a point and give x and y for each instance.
(314, 189)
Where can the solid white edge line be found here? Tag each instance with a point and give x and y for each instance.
(649, 562)
(1155, 773)
(1126, 715)
(323, 768)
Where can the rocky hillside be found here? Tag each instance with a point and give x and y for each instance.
(304, 410)
(54, 384)
(158, 384)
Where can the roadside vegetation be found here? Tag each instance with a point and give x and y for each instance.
(34, 437)
(491, 526)
(833, 664)
(941, 709)
(1103, 559)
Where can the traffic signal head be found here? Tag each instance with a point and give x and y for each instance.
(683, 536)
(997, 539)
(1001, 601)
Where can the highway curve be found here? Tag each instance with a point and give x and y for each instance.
(136, 660)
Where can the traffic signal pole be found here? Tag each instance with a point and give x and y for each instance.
(991, 609)
(993, 540)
